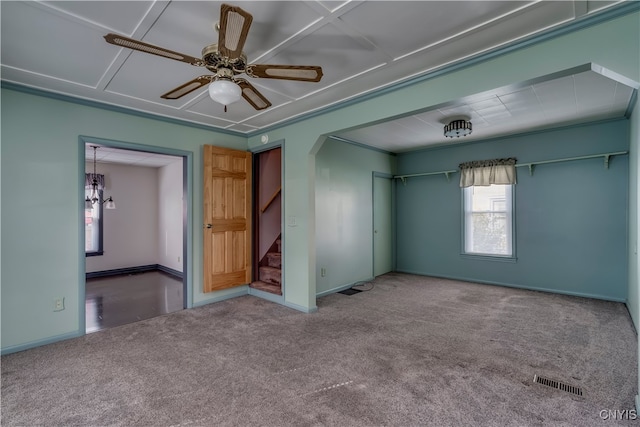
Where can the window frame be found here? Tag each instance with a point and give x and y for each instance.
(511, 221)
(98, 205)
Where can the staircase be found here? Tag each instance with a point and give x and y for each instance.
(270, 272)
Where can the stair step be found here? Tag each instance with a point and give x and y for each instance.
(267, 287)
(270, 275)
(274, 259)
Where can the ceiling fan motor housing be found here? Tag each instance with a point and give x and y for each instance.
(214, 60)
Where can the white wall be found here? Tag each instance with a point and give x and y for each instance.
(170, 213)
(130, 232)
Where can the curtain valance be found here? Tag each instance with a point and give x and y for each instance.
(487, 172)
(88, 181)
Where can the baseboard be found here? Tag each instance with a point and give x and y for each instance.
(134, 270)
(511, 285)
(297, 307)
(38, 343)
(120, 271)
(342, 287)
(278, 299)
(635, 327)
(177, 274)
(241, 291)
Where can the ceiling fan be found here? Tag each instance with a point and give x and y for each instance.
(225, 60)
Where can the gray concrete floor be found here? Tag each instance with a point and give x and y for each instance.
(118, 300)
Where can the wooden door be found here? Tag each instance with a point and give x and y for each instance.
(227, 218)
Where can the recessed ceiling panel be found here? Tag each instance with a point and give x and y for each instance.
(595, 5)
(557, 101)
(146, 76)
(185, 27)
(77, 53)
(339, 55)
(421, 23)
(273, 24)
(332, 5)
(120, 16)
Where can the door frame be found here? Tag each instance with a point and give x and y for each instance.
(384, 175)
(254, 152)
(187, 220)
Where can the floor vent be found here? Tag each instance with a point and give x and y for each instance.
(558, 385)
(350, 291)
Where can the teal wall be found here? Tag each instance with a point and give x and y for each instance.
(303, 139)
(42, 163)
(40, 236)
(571, 217)
(344, 212)
(633, 297)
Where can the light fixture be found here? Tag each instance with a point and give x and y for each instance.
(94, 198)
(224, 91)
(457, 128)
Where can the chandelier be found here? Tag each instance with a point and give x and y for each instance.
(95, 197)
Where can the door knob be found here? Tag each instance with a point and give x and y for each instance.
(208, 226)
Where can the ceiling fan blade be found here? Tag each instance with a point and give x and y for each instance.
(253, 97)
(123, 41)
(234, 28)
(188, 87)
(305, 73)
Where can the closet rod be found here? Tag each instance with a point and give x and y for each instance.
(404, 177)
(530, 165)
(605, 156)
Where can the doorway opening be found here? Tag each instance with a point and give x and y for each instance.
(267, 214)
(139, 271)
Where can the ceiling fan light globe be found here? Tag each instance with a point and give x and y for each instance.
(224, 92)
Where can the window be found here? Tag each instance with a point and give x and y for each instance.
(488, 220)
(93, 226)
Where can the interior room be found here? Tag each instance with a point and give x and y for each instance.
(458, 212)
(143, 238)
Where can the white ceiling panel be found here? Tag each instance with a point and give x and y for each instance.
(143, 74)
(421, 23)
(75, 54)
(550, 102)
(105, 154)
(120, 16)
(362, 47)
(521, 102)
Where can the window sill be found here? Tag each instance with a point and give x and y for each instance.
(97, 253)
(497, 258)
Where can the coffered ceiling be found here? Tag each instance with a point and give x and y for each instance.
(362, 47)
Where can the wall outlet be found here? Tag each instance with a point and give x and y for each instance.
(58, 304)
(323, 272)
